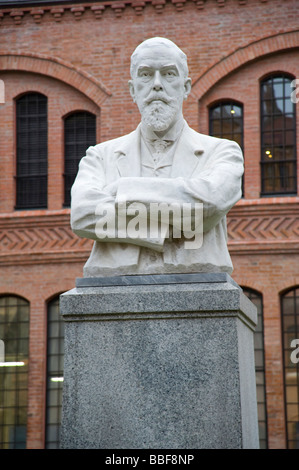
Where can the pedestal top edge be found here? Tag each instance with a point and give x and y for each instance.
(156, 279)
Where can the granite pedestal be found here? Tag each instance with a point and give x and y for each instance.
(159, 362)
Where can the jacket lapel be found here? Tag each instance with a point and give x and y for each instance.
(128, 155)
(186, 158)
(187, 154)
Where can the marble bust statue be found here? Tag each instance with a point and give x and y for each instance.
(163, 161)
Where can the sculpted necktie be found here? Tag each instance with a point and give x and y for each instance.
(160, 145)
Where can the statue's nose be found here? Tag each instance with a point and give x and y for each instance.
(157, 82)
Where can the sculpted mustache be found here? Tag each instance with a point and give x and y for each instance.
(162, 98)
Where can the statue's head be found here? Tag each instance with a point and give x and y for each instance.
(160, 82)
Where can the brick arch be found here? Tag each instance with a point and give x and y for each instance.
(290, 286)
(242, 56)
(254, 286)
(227, 98)
(250, 288)
(32, 90)
(53, 297)
(14, 293)
(56, 68)
(276, 73)
(77, 110)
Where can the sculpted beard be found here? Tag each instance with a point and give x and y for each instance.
(159, 115)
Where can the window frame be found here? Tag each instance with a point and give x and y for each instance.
(250, 293)
(54, 390)
(288, 350)
(14, 371)
(41, 177)
(263, 162)
(67, 186)
(228, 102)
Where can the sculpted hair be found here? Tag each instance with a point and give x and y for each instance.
(149, 43)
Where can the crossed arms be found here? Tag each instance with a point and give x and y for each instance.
(216, 184)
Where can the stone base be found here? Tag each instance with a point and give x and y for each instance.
(159, 362)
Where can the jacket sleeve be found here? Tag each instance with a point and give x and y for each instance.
(217, 186)
(94, 213)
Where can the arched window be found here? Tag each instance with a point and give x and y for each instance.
(259, 353)
(55, 357)
(278, 137)
(79, 134)
(32, 151)
(226, 122)
(14, 335)
(290, 333)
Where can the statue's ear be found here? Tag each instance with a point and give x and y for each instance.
(187, 86)
(132, 90)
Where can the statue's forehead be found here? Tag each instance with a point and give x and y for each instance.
(157, 52)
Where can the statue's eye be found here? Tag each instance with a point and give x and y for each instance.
(145, 74)
(169, 74)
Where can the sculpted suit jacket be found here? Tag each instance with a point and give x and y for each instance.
(205, 170)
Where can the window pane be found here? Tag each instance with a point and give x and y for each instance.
(237, 125)
(278, 89)
(55, 351)
(32, 151)
(292, 394)
(288, 309)
(14, 377)
(238, 138)
(267, 139)
(216, 128)
(79, 134)
(278, 107)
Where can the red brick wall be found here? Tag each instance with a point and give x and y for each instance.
(80, 60)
